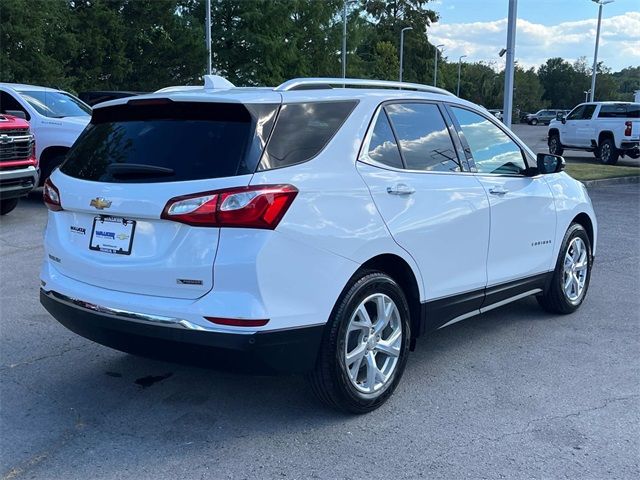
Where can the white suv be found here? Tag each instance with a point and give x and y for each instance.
(306, 228)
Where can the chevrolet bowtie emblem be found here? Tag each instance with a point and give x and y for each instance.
(100, 203)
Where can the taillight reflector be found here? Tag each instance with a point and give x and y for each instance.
(51, 196)
(627, 130)
(258, 206)
(238, 322)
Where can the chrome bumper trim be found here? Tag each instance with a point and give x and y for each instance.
(117, 313)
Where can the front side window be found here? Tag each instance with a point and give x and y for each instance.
(55, 104)
(425, 142)
(9, 105)
(302, 131)
(382, 146)
(492, 149)
(576, 113)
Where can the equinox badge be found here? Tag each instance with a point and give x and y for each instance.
(100, 203)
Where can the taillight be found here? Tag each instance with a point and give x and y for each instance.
(627, 130)
(259, 206)
(51, 196)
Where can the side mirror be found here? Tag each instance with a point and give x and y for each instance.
(16, 113)
(548, 163)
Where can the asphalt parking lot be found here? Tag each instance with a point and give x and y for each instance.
(516, 393)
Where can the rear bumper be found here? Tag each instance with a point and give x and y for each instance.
(630, 145)
(291, 350)
(17, 183)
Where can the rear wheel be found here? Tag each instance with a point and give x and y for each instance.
(555, 147)
(7, 206)
(572, 274)
(607, 152)
(365, 348)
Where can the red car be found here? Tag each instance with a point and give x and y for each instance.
(18, 163)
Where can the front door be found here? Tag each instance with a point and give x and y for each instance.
(523, 217)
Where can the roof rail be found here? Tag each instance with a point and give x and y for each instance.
(310, 83)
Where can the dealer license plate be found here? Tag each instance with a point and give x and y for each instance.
(112, 235)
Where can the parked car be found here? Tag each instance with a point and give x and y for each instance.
(94, 97)
(56, 117)
(18, 164)
(608, 129)
(311, 229)
(543, 116)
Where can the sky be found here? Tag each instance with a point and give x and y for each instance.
(545, 29)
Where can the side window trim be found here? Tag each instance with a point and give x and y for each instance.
(465, 166)
(525, 158)
(383, 109)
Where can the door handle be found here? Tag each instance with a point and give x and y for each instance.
(498, 191)
(400, 189)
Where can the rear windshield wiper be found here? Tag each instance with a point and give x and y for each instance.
(129, 170)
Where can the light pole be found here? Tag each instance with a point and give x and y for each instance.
(344, 37)
(586, 95)
(435, 66)
(508, 71)
(595, 55)
(402, 48)
(208, 36)
(459, 67)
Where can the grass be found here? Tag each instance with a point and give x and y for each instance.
(596, 171)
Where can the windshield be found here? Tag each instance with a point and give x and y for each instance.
(55, 104)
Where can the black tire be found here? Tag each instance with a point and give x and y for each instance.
(534, 121)
(555, 299)
(555, 146)
(330, 380)
(607, 152)
(7, 206)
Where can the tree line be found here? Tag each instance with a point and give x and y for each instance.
(143, 45)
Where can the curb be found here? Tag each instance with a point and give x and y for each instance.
(603, 182)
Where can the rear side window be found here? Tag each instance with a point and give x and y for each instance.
(169, 142)
(619, 111)
(382, 146)
(425, 143)
(302, 130)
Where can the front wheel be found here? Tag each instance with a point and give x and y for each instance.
(7, 206)
(607, 152)
(572, 274)
(533, 121)
(555, 147)
(365, 346)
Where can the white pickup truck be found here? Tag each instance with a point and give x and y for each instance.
(57, 118)
(608, 129)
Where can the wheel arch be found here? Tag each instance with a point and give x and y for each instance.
(584, 220)
(604, 135)
(399, 269)
(554, 131)
(53, 151)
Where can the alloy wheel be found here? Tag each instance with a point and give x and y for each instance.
(373, 343)
(576, 265)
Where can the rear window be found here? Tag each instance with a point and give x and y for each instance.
(620, 111)
(303, 130)
(170, 142)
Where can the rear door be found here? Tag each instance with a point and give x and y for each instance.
(118, 178)
(434, 209)
(523, 216)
